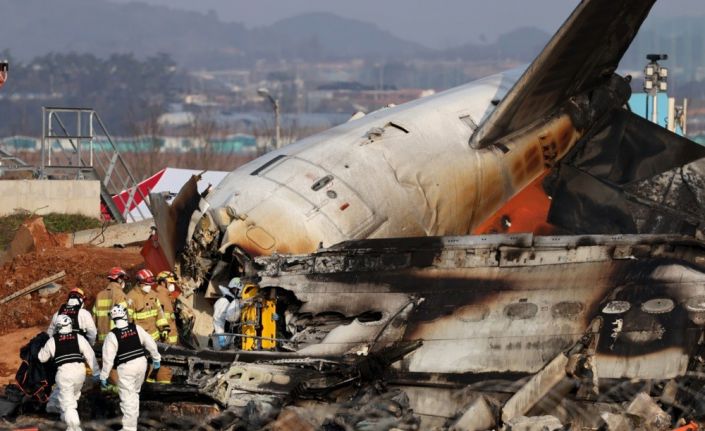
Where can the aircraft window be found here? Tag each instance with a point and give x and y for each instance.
(616, 307)
(268, 164)
(322, 182)
(695, 304)
(369, 316)
(468, 122)
(566, 309)
(657, 306)
(521, 310)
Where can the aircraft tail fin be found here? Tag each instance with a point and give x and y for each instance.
(584, 52)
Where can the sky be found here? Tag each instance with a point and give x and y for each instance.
(436, 24)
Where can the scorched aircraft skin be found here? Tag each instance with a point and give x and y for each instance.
(439, 311)
(440, 165)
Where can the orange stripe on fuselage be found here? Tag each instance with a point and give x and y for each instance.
(526, 212)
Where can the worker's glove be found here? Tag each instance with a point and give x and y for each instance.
(164, 335)
(222, 341)
(155, 365)
(103, 384)
(275, 317)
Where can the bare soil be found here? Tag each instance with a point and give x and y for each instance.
(86, 268)
(11, 344)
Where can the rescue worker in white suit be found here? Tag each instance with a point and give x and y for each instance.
(124, 347)
(71, 351)
(80, 318)
(81, 322)
(226, 313)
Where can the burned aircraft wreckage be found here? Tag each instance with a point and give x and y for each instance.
(356, 238)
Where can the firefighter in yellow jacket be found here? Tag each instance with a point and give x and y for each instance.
(113, 294)
(144, 307)
(166, 293)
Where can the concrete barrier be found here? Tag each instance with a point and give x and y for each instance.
(47, 196)
(116, 234)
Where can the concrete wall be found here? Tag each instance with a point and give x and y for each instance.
(116, 234)
(46, 196)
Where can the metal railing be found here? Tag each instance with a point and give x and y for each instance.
(67, 152)
(9, 161)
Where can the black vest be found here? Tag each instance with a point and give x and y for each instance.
(72, 311)
(129, 344)
(67, 349)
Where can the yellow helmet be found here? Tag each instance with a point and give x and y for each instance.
(167, 276)
(77, 292)
(249, 291)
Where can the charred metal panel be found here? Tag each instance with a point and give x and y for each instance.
(172, 221)
(628, 177)
(501, 303)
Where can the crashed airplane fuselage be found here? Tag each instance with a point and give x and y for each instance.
(513, 319)
(440, 165)
(476, 307)
(392, 188)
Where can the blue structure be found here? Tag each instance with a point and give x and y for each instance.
(642, 105)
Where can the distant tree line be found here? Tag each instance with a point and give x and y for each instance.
(121, 88)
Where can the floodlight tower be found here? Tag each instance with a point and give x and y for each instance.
(655, 80)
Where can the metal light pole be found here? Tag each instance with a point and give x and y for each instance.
(275, 106)
(655, 80)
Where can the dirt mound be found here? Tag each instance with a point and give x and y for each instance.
(32, 235)
(85, 266)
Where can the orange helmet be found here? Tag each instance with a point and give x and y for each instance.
(145, 276)
(77, 293)
(116, 273)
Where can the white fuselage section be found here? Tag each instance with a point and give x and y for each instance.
(397, 172)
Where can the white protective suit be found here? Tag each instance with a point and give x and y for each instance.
(69, 381)
(85, 322)
(224, 311)
(131, 374)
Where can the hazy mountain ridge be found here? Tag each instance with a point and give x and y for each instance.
(101, 28)
(196, 40)
(37, 27)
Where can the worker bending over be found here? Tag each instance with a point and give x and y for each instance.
(124, 348)
(226, 314)
(71, 352)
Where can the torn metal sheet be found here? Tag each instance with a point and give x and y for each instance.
(172, 220)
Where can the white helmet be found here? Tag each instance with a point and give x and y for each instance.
(118, 312)
(235, 283)
(64, 324)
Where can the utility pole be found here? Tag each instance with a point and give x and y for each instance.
(275, 106)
